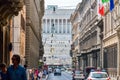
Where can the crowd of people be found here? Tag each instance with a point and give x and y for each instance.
(35, 74)
(18, 72)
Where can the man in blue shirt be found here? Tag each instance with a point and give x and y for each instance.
(15, 71)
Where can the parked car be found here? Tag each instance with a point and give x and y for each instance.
(98, 75)
(78, 75)
(57, 71)
(62, 69)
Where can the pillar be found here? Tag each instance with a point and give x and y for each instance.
(58, 26)
(50, 25)
(66, 26)
(46, 26)
(54, 26)
(62, 26)
(118, 54)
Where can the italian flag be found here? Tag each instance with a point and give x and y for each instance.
(105, 1)
(100, 8)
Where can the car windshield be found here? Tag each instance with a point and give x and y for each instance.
(78, 72)
(57, 70)
(99, 75)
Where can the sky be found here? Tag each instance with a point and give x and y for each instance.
(62, 3)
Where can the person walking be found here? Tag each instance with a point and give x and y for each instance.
(16, 71)
(31, 73)
(27, 71)
(36, 74)
(3, 73)
(40, 74)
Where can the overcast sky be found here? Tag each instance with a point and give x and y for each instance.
(62, 3)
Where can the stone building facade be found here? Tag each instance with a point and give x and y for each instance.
(90, 28)
(75, 37)
(111, 40)
(17, 37)
(20, 30)
(99, 37)
(57, 35)
(34, 50)
(8, 9)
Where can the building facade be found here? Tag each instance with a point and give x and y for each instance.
(17, 37)
(8, 9)
(33, 44)
(56, 34)
(89, 40)
(75, 37)
(111, 40)
(99, 37)
(20, 30)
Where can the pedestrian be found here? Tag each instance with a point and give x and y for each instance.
(16, 71)
(25, 66)
(3, 73)
(27, 71)
(40, 75)
(36, 73)
(31, 73)
(45, 72)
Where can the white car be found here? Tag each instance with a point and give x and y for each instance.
(78, 75)
(57, 71)
(98, 75)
